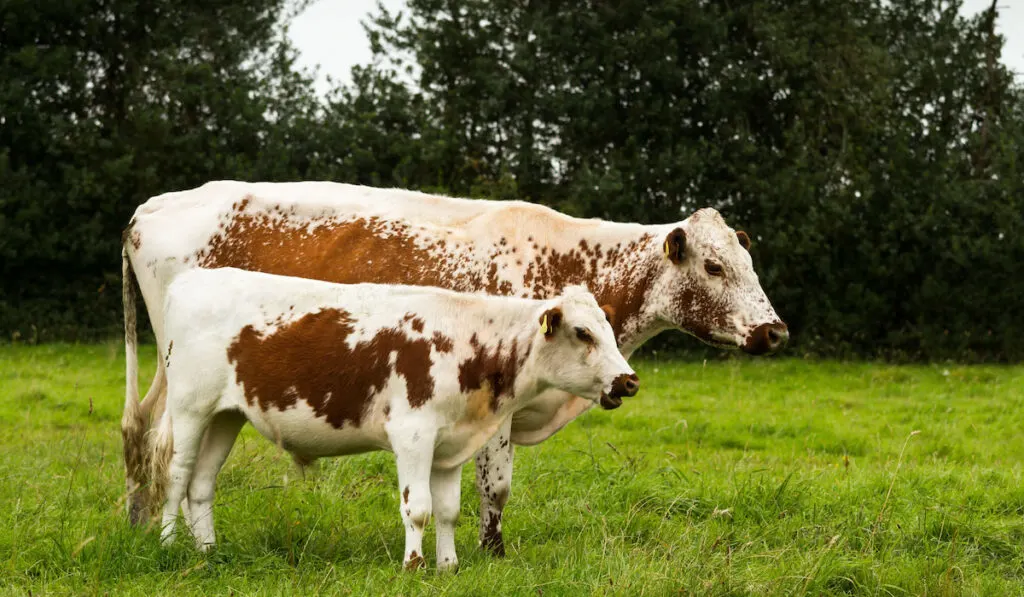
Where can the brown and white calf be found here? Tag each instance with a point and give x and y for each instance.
(328, 369)
(695, 275)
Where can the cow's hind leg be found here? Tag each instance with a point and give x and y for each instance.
(414, 454)
(187, 434)
(445, 489)
(493, 483)
(216, 445)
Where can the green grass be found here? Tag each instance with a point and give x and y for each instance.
(742, 477)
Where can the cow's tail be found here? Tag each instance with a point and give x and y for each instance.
(133, 421)
(162, 449)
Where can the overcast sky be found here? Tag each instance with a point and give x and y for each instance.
(328, 34)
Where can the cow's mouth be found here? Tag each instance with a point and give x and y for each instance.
(609, 402)
(721, 341)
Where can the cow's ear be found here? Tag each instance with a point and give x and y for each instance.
(744, 239)
(609, 314)
(549, 321)
(675, 246)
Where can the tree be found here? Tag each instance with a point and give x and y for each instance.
(869, 146)
(105, 104)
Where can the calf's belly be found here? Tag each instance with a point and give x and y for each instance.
(299, 431)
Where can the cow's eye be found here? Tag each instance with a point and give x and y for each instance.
(584, 335)
(712, 268)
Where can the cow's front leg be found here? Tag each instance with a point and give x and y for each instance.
(414, 454)
(494, 482)
(445, 491)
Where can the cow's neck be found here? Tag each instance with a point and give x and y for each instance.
(629, 265)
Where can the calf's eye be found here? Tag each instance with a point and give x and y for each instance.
(584, 335)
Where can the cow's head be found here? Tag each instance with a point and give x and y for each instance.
(708, 288)
(576, 350)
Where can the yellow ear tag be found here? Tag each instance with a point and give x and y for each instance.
(544, 324)
(665, 246)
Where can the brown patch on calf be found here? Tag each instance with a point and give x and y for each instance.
(309, 359)
(405, 495)
(442, 343)
(479, 403)
(415, 562)
(491, 371)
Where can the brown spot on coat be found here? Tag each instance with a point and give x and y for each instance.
(492, 540)
(415, 561)
(491, 370)
(442, 343)
(130, 234)
(387, 252)
(405, 495)
(309, 359)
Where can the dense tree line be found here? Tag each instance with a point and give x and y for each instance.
(870, 147)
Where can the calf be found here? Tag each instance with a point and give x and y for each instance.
(327, 369)
(695, 275)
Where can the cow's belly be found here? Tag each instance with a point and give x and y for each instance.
(299, 431)
(545, 415)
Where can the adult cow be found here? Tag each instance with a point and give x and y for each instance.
(695, 276)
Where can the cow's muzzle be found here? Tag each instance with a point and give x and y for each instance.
(623, 386)
(767, 338)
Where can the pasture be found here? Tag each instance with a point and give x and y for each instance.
(734, 477)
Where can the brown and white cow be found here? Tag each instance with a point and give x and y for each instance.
(695, 275)
(327, 369)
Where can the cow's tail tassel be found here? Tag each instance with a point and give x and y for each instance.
(160, 463)
(133, 421)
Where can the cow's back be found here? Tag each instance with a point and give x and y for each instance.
(350, 234)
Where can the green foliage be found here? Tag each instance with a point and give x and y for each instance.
(871, 148)
(103, 107)
(750, 477)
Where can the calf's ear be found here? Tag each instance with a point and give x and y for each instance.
(675, 246)
(549, 321)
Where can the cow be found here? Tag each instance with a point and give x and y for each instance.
(325, 369)
(696, 276)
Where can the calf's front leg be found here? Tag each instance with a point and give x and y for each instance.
(494, 483)
(414, 454)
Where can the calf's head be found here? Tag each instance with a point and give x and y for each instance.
(708, 287)
(577, 353)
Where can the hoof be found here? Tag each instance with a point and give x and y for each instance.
(415, 562)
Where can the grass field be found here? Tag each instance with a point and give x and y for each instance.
(742, 477)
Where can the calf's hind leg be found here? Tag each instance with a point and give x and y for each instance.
(445, 488)
(185, 434)
(216, 445)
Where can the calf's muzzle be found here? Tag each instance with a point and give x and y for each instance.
(625, 385)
